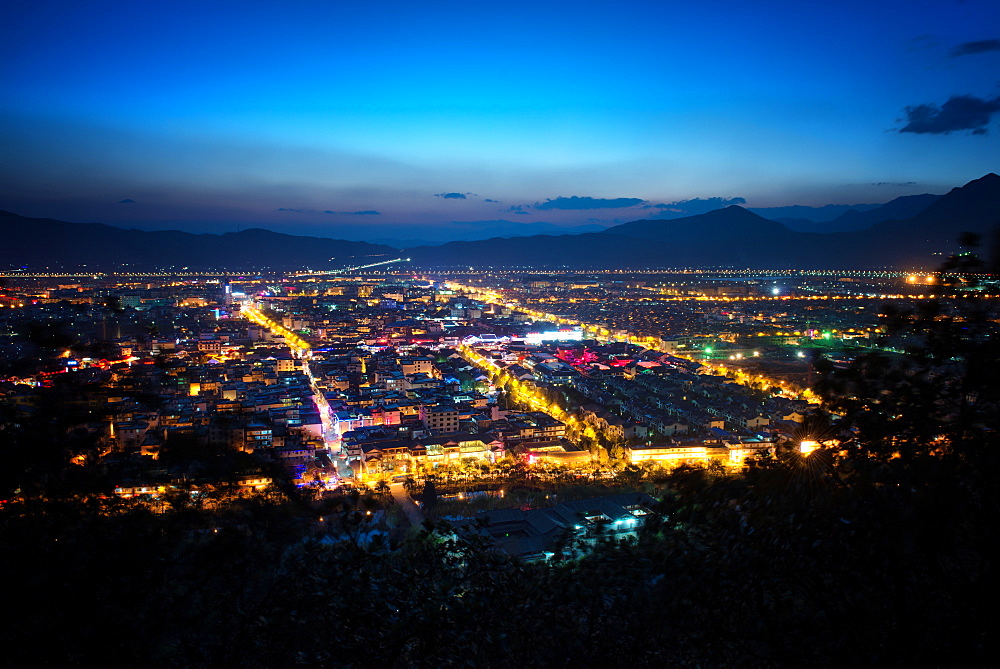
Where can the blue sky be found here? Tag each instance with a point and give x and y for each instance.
(212, 116)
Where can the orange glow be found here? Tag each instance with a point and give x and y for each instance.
(807, 446)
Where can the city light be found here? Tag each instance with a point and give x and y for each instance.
(807, 446)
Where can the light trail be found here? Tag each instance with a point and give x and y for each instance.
(347, 269)
(298, 345)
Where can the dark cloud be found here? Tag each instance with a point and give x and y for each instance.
(328, 211)
(576, 202)
(960, 112)
(452, 196)
(896, 184)
(489, 200)
(971, 48)
(694, 206)
(522, 213)
(127, 200)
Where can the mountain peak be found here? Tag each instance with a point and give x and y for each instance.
(731, 220)
(980, 193)
(974, 207)
(988, 183)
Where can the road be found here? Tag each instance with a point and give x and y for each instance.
(409, 507)
(331, 435)
(303, 351)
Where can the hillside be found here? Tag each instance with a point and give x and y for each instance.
(732, 236)
(931, 235)
(737, 237)
(898, 209)
(732, 221)
(974, 207)
(910, 232)
(43, 242)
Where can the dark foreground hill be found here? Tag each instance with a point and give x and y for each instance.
(46, 242)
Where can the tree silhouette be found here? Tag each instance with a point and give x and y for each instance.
(940, 393)
(49, 335)
(428, 497)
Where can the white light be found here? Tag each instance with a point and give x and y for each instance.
(576, 334)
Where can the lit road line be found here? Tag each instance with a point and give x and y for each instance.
(521, 392)
(117, 275)
(652, 343)
(347, 269)
(331, 437)
(295, 342)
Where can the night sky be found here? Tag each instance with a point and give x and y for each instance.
(377, 119)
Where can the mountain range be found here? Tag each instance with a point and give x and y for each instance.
(909, 232)
(851, 217)
(916, 231)
(43, 242)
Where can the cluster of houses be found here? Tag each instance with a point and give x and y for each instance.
(386, 371)
(418, 445)
(674, 397)
(658, 406)
(260, 404)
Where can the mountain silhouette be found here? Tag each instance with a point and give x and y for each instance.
(46, 242)
(900, 208)
(910, 232)
(733, 221)
(730, 236)
(974, 207)
(931, 235)
(809, 218)
(926, 231)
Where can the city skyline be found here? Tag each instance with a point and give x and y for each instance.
(370, 123)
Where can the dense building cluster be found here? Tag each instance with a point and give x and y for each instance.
(390, 374)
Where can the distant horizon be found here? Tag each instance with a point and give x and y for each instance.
(436, 234)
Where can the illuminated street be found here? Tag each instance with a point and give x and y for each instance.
(302, 349)
(650, 342)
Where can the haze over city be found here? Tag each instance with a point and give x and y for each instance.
(441, 121)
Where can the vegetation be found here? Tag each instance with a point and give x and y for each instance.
(803, 560)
